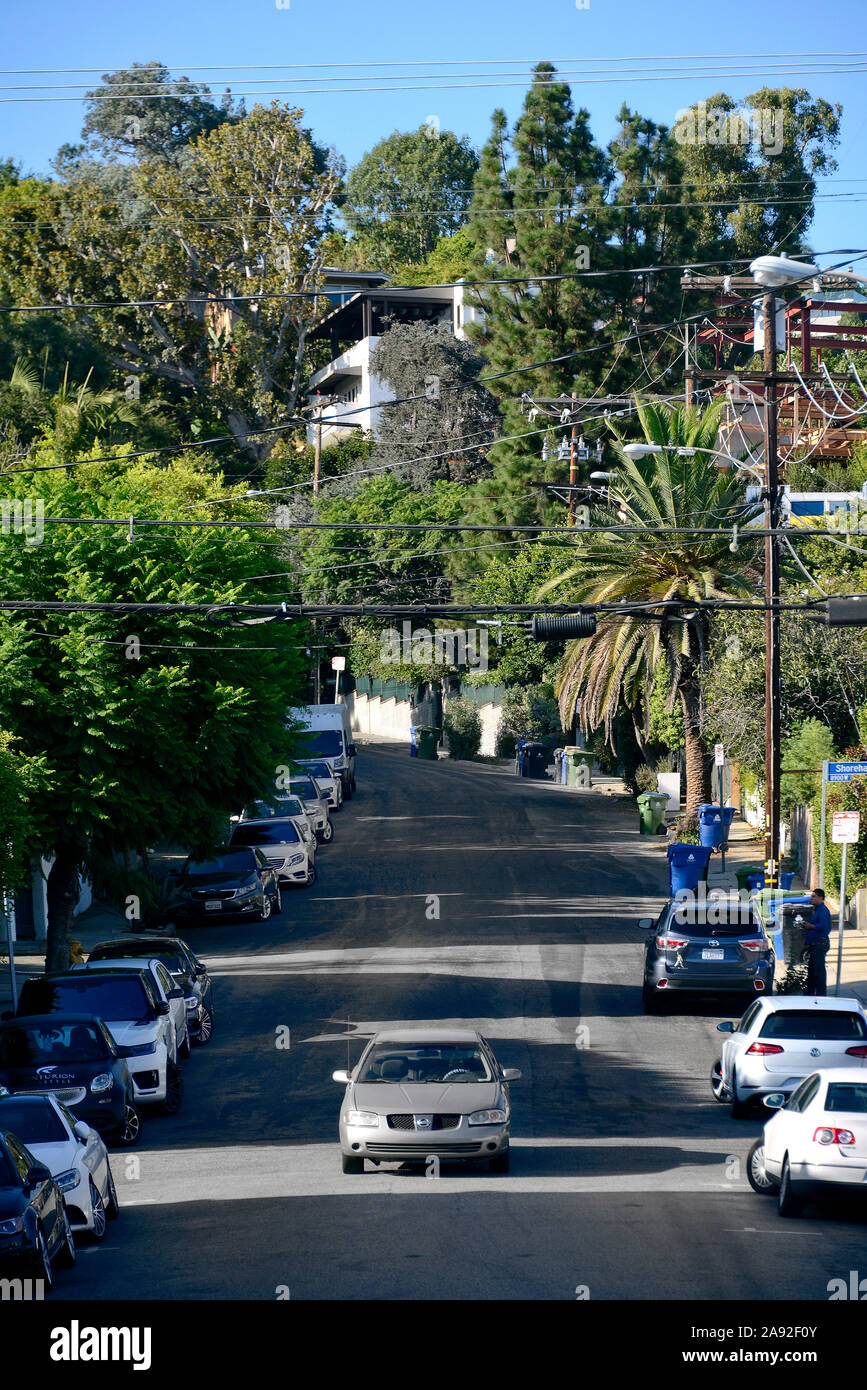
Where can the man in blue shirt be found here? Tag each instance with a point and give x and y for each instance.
(817, 939)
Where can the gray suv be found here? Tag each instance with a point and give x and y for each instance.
(718, 946)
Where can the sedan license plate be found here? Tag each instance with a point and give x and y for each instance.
(213, 904)
(713, 955)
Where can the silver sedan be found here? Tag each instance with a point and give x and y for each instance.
(419, 1095)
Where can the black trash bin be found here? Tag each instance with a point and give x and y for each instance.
(794, 918)
(538, 756)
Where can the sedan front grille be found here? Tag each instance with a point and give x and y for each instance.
(419, 1151)
(408, 1122)
(200, 894)
(67, 1095)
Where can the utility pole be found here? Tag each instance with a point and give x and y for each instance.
(317, 447)
(573, 465)
(773, 685)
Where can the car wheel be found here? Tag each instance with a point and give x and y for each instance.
(327, 832)
(651, 1000)
(266, 908)
(500, 1164)
(39, 1261)
(206, 1028)
(759, 1178)
(129, 1133)
(789, 1202)
(311, 876)
(350, 788)
(278, 900)
(184, 1048)
(174, 1090)
(100, 1219)
(112, 1209)
(717, 1085)
(352, 1164)
(66, 1252)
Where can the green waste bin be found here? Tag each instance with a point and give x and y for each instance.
(427, 743)
(651, 812)
(579, 766)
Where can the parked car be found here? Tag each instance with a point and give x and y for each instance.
(138, 1020)
(164, 985)
(73, 1058)
(236, 882)
(419, 1093)
(290, 856)
(74, 1154)
(34, 1228)
(328, 781)
(716, 947)
(315, 803)
(290, 806)
(188, 972)
(815, 1142)
(781, 1040)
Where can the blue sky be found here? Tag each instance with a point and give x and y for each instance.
(103, 36)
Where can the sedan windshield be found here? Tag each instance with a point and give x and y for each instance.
(321, 770)
(239, 862)
(306, 788)
(395, 1062)
(58, 1043)
(285, 806)
(33, 1122)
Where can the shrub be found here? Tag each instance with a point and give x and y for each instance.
(463, 728)
(645, 778)
(686, 830)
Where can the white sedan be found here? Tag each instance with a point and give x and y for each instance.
(816, 1140)
(74, 1154)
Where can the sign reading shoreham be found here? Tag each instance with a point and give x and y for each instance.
(842, 772)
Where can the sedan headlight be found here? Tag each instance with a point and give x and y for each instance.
(140, 1050)
(363, 1119)
(338, 762)
(488, 1117)
(247, 890)
(66, 1181)
(184, 893)
(11, 1228)
(296, 859)
(105, 1080)
(192, 1003)
(4, 1091)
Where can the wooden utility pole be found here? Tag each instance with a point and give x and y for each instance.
(573, 466)
(317, 447)
(773, 684)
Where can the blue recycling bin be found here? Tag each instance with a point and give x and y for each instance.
(786, 881)
(413, 742)
(755, 882)
(710, 825)
(522, 761)
(687, 866)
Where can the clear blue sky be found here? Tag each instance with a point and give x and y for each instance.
(104, 36)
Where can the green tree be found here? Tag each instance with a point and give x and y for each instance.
(142, 112)
(616, 667)
(809, 746)
(408, 191)
(440, 407)
(535, 212)
(151, 727)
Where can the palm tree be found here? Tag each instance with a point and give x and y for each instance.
(617, 665)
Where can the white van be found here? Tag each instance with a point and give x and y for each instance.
(328, 736)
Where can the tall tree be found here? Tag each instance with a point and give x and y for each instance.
(618, 665)
(142, 112)
(536, 213)
(407, 192)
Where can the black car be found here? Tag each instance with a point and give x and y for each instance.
(34, 1228)
(715, 946)
(234, 883)
(184, 966)
(73, 1057)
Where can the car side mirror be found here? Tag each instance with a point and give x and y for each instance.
(511, 1074)
(645, 923)
(775, 1101)
(727, 1027)
(81, 1131)
(352, 750)
(38, 1173)
(342, 1076)
(162, 1007)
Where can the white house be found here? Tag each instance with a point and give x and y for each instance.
(347, 393)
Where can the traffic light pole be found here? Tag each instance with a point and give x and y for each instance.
(773, 683)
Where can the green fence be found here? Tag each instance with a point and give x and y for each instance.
(386, 690)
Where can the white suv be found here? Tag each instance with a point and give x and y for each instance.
(165, 987)
(292, 858)
(783, 1038)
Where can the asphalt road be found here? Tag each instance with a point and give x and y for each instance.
(627, 1179)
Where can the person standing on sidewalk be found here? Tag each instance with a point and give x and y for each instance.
(817, 939)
